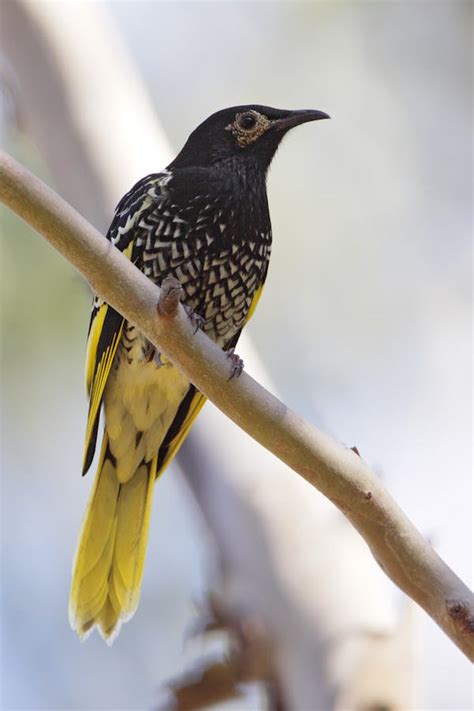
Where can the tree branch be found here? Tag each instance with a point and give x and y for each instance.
(336, 471)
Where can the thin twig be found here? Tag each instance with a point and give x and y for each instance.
(405, 556)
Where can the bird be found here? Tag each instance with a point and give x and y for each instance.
(205, 221)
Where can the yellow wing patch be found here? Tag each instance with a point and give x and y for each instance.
(254, 303)
(92, 367)
(96, 376)
(99, 360)
(195, 407)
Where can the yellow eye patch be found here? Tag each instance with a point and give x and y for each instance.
(248, 126)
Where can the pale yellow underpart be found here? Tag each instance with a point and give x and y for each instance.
(139, 397)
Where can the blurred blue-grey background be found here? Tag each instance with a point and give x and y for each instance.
(372, 220)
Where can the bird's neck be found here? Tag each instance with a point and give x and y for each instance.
(231, 184)
(242, 188)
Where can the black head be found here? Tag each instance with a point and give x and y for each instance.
(250, 133)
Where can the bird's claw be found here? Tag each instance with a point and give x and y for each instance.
(157, 359)
(237, 364)
(152, 355)
(171, 293)
(197, 321)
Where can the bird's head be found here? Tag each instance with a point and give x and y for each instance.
(249, 133)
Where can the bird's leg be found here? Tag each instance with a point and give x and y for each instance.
(150, 353)
(237, 364)
(197, 321)
(157, 359)
(171, 293)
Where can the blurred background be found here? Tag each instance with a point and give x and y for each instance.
(372, 220)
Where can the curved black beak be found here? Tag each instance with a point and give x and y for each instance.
(295, 118)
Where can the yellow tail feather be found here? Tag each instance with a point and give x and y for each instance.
(111, 552)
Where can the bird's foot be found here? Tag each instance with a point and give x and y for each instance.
(148, 352)
(237, 364)
(152, 355)
(171, 293)
(157, 359)
(197, 321)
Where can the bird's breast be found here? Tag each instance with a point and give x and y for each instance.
(218, 252)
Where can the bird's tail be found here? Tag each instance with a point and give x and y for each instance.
(108, 567)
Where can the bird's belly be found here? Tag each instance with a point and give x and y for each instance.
(141, 400)
(219, 278)
(226, 298)
(224, 318)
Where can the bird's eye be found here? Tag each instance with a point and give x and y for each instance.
(247, 121)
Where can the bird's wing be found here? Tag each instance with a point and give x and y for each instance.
(106, 324)
(255, 300)
(189, 409)
(104, 336)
